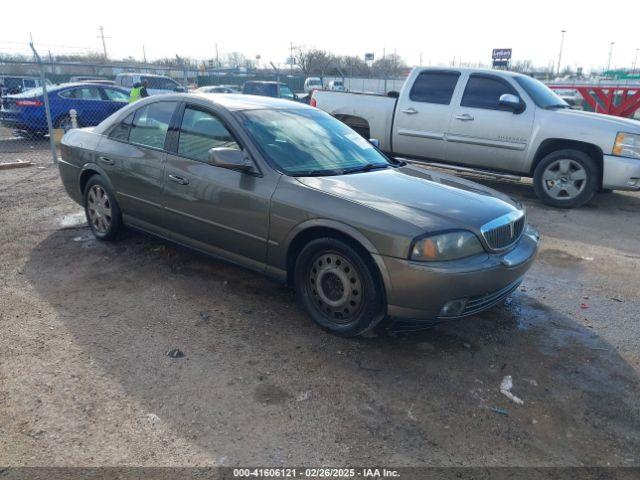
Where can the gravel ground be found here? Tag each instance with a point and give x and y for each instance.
(85, 379)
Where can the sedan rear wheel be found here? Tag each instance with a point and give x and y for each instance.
(338, 287)
(101, 208)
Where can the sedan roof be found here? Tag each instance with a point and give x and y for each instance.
(239, 101)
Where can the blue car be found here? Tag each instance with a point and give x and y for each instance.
(92, 102)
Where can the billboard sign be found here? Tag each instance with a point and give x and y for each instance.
(501, 57)
(368, 57)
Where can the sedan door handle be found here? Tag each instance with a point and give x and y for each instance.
(465, 117)
(106, 161)
(409, 111)
(180, 180)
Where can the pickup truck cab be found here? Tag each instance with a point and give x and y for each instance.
(501, 122)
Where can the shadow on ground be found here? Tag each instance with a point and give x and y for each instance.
(259, 383)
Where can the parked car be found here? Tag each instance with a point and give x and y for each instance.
(92, 102)
(498, 121)
(289, 191)
(269, 89)
(156, 84)
(11, 84)
(312, 83)
(336, 86)
(88, 79)
(218, 89)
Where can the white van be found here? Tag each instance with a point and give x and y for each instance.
(312, 83)
(156, 84)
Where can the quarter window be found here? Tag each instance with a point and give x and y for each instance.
(150, 124)
(121, 131)
(485, 92)
(201, 131)
(434, 87)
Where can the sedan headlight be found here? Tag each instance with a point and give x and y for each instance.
(446, 246)
(627, 145)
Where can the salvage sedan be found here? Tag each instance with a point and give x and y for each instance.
(289, 191)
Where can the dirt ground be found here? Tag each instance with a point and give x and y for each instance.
(86, 326)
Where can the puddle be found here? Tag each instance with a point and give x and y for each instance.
(73, 220)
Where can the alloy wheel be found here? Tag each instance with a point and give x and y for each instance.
(564, 179)
(99, 209)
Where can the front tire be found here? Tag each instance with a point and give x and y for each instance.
(338, 287)
(566, 178)
(101, 208)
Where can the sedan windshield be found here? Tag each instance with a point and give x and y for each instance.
(542, 95)
(310, 142)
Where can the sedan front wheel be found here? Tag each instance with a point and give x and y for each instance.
(338, 287)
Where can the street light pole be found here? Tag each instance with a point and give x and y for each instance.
(560, 54)
(610, 55)
(635, 61)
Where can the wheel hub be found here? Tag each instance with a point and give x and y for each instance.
(564, 179)
(336, 287)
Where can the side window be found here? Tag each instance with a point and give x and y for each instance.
(150, 124)
(201, 131)
(121, 131)
(68, 93)
(434, 87)
(115, 95)
(126, 81)
(485, 92)
(87, 93)
(29, 83)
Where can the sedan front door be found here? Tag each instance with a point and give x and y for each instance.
(218, 210)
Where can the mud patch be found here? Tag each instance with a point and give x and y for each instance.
(559, 258)
(270, 394)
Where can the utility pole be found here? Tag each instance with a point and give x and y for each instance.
(217, 57)
(635, 62)
(104, 44)
(560, 54)
(420, 58)
(610, 55)
(144, 54)
(291, 58)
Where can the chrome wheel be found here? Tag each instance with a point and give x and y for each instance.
(564, 179)
(336, 287)
(99, 209)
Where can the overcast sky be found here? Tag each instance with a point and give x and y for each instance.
(439, 30)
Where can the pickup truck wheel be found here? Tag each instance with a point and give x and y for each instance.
(337, 287)
(566, 178)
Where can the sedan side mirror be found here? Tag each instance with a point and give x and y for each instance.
(512, 102)
(230, 158)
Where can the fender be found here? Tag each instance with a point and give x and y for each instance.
(98, 169)
(343, 228)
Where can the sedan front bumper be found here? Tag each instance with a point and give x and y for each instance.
(420, 290)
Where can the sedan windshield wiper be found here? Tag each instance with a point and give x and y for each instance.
(365, 168)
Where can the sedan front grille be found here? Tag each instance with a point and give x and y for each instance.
(504, 231)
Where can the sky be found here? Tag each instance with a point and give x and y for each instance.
(437, 32)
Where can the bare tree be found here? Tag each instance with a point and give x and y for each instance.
(389, 66)
(314, 61)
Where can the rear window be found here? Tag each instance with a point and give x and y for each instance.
(434, 87)
(160, 83)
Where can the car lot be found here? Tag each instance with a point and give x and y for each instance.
(87, 325)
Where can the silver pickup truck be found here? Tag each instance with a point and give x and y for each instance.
(501, 122)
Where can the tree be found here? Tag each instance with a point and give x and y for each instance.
(314, 61)
(389, 66)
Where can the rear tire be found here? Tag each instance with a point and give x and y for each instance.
(566, 178)
(338, 288)
(101, 208)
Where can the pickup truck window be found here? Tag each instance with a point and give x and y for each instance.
(485, 92)
(434, 87)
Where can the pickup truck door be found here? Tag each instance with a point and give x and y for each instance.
(483, 133)
(423, 114)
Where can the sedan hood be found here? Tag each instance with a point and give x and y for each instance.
(427, 199)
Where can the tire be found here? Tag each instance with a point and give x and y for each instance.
(323, 268)
(566, 178)
(105, 218)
